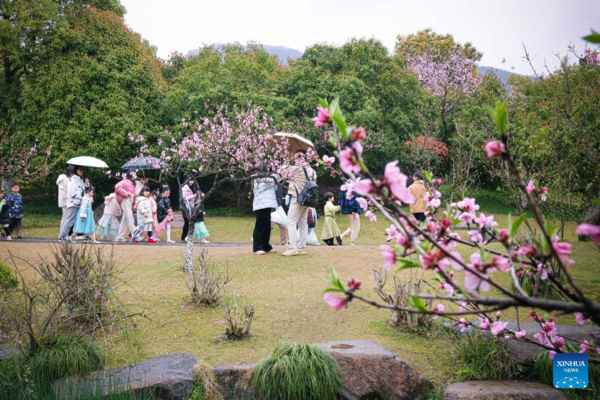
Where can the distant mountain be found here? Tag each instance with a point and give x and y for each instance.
(282, 53)
(285, 53)
(502, 74)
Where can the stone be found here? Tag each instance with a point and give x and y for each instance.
(522, 351)
(8, 351)
(166, 377)
(373, 371)
(500, 390)
(234, 381)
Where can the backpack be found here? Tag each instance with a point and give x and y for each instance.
(309, 196)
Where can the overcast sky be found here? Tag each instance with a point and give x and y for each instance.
(497, 28)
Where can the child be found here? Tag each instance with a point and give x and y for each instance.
(15, 202)
(419, 206)
(5, 215)
(153, 201)
(144, 215)
(312, 217)
(330, 228)
(164, 215)
(200, 231)
(108, 226)
(85, 223)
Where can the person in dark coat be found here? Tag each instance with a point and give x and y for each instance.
(5, 215)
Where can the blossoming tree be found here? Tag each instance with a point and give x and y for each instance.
(21, 161)
(223, 149)
(432, 245)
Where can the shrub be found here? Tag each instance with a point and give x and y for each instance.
(206, 386)
(482, 358)
(238, 319)
(8, 280)
(205, 284)
(298, 371)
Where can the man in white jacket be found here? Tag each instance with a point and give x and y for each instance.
(63, 186)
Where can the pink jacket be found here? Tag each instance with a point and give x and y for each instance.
(124, 189)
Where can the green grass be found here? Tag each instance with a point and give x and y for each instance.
(483, 358)
(298, 371)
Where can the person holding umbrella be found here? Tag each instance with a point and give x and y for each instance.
(126, 197)
(74, 196)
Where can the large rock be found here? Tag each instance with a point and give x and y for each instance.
(373, 371)
(166, 377)
(8, 351)
(522, 351)
(234, 381)
(500, 390)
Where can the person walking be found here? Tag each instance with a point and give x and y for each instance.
(74, 196)
(298, 175)
(200, 230)
(264, 203)
(419, 206)
(85, 224)
(187, 201)
(126, 198)
(63, 185)
(164, 214)
(5, 215)
(108, 226)
(330, 228)
(351, 208)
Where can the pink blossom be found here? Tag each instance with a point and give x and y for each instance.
(563, 250)
(503, 236)
(328, 160)
(530, 187)
(358, 133)
(472, 281)
(544, 193)
(542, 271)
(348, 162)
(363, 203)
(484, 221)
(589, 229)
(581, 318)
(498, 327)
(521, 334)
(334, 301)
(389, 256)
(397, 183)
(466, 217)
(484, 323)
(551, 354)
(363, 186)
(494, 148)
(438, 181)
(585, 346)
(354, 284)
(449, 289)
(501, 263)
(392, 232)
(468, 205)
(439, 308)
(476, 236)
(371, 215)
(542, 337)
(322, 117)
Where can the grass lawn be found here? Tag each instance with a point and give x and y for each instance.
(287, 295)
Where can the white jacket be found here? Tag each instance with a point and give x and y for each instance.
(63, 185)
(75, 190)
(264, 194)
(85, 202)
(144, 210)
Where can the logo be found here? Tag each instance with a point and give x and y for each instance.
(570, 371)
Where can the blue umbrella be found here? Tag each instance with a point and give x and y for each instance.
(144, 163)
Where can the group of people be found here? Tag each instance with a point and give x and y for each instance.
(148, 213)
(300, 220)
(144, 212)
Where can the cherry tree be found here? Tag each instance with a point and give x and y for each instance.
(432, 245)
(221, 149)
(19, 161)
(452, 79)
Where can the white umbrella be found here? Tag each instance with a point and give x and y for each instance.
(86, 161)
(296, 142)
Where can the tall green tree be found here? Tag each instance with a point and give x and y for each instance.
(101, 84)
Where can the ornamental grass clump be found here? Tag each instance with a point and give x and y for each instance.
(298, 371)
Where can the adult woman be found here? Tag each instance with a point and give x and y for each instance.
(187, 201)
(265, 202)
(126, 197)
(74, 196)
(63, 186)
